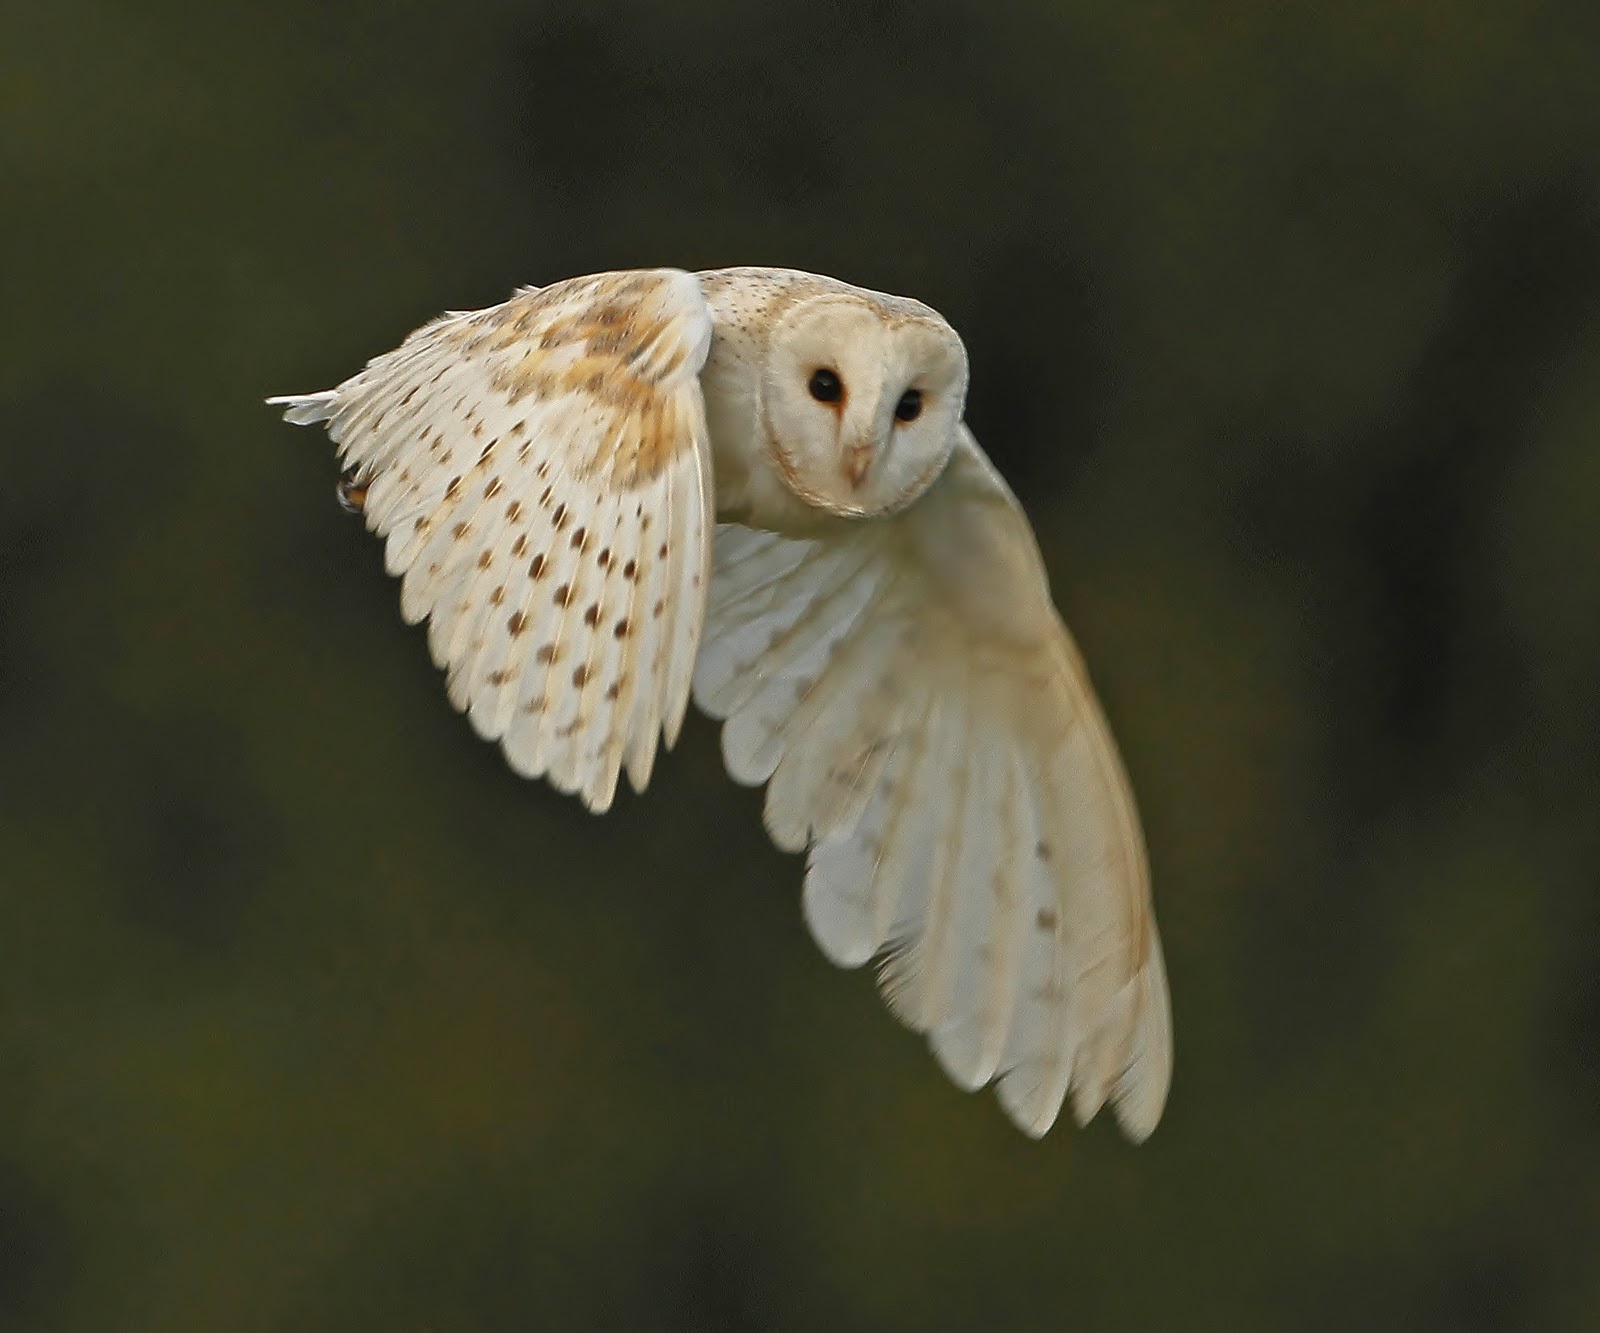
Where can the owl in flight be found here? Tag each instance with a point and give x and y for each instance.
(755, 486)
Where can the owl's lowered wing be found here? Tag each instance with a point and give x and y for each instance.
(540, 474)
(925, 725)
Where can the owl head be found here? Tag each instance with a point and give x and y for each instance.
(862, 395)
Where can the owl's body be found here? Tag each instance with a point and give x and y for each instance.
(756, 483)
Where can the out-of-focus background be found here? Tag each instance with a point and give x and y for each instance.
(1285, 325)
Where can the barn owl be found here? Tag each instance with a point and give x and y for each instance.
(755, 487)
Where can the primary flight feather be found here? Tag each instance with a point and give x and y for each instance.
(755, 485)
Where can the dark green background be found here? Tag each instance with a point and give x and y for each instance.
(1285, 323)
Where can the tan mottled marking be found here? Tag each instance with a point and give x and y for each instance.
(604, 338)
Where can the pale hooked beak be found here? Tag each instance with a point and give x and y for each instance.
(857, 460)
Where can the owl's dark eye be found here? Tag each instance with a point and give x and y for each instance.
(909, 408)
(825, 386)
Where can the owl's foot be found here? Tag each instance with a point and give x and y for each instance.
(352, 493)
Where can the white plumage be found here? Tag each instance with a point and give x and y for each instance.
(758, 481)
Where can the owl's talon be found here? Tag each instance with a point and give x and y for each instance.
(352, 494)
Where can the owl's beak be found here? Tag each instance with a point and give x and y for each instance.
(857, 460)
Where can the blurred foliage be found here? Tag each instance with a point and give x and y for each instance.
(1285, 322)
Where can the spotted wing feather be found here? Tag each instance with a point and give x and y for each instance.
(540, 475)
(927, 734)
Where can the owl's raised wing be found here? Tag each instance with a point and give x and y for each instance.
(927, 730)
(540, 474)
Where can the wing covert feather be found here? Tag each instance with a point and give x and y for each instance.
(928, 734)
(540, 475)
